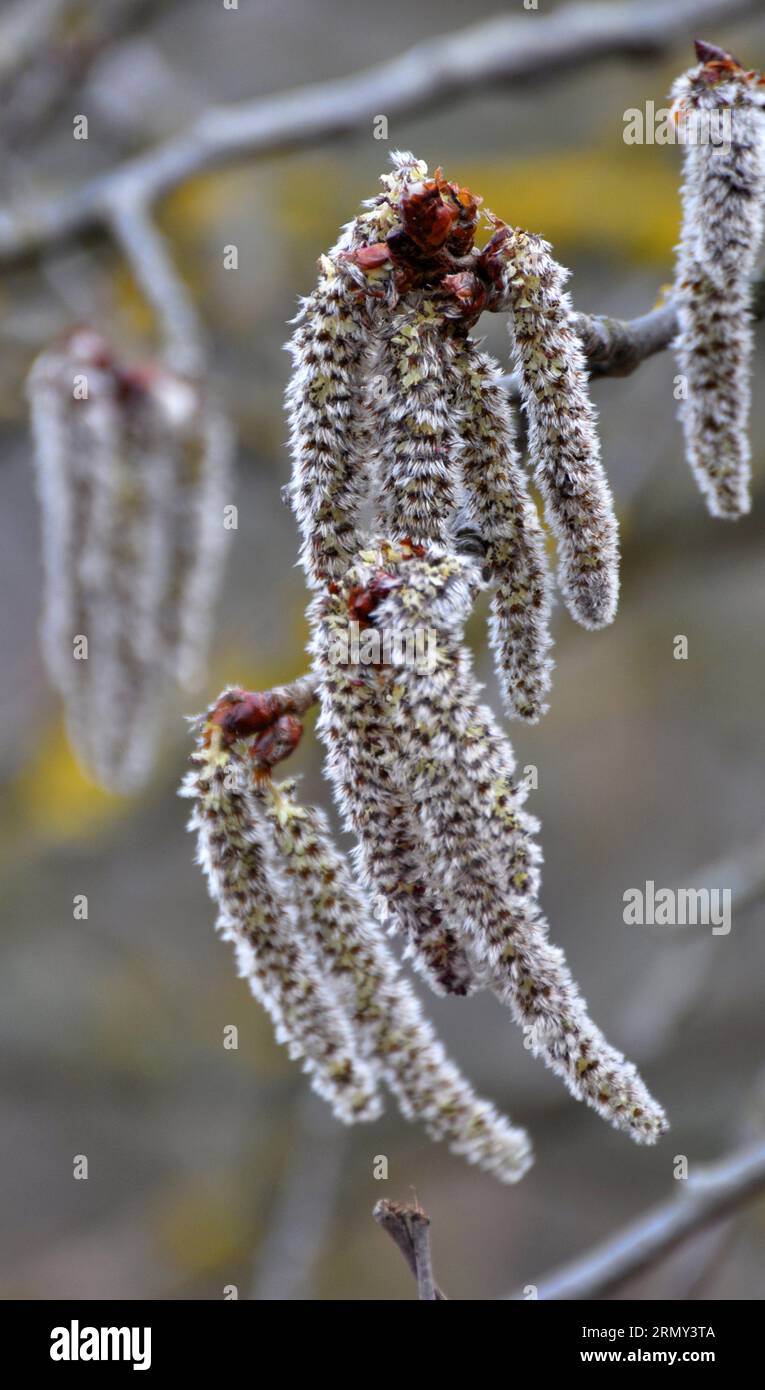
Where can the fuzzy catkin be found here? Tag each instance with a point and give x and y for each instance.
(457, 769)
(354, 724)
(258, 913)
(497, 503)
(329, 437)
(563, 439)
(723, 207)
(416, 435)
(131, 468)
(399, 425)
(392, 1034)
(329, 396)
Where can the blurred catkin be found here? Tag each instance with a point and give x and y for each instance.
(132, 473)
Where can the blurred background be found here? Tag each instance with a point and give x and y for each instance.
(210, 1167)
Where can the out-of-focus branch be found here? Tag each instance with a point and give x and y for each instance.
(152, 265)
(711, 1193)
(409, 1228)
(47, 48)
(499, 51)
(24, 26)
(304, 1209)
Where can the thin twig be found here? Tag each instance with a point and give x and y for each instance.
(423, 1259)
(616, 347)
(498, 51)
(297, 696)
(409, 1228)
(703, 1198)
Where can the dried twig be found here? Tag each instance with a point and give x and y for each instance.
(498, 51)
(711, 1193)
(409, 1227)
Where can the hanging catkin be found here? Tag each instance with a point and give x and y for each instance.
(719, 108)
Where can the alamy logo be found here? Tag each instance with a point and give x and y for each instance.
(75, 1343)
(371, 646)
(666, 125)
(678, 907)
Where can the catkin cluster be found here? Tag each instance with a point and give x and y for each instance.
(720, 109)
(437, 750)
(132, 467)
(288, 901)
(400, 429)
(399, 425)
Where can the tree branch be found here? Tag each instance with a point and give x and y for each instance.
(714, 1192)
(499, 51)
(616, 347)
(409, 1228)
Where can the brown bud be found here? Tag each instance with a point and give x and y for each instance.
(426, 217)
(363, 600)
(368, 257)
(276, 743)
(710, 53)
(244, 712)
(468, 290)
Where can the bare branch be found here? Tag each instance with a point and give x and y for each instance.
(409, 1227)
(616, 347)
(713, 1192)
(499, 51)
